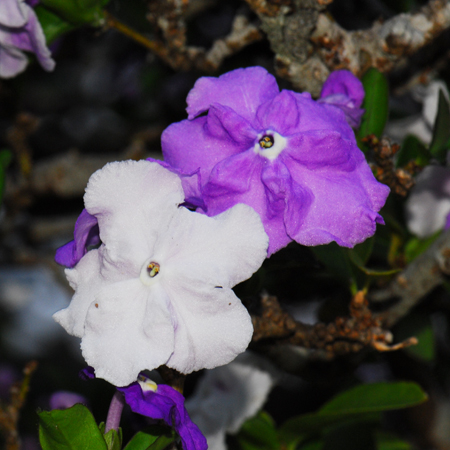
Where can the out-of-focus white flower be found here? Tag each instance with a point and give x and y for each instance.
(420, 125)
(227, 396)
(158, 289)
(31, 295)
(428, 204)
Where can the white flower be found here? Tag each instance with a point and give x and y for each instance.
(158, 290)
(227, 396)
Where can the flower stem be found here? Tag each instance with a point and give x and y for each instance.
(115, 412)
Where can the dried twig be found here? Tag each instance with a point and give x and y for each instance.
(421, 276)
(345, 335)
(10, 413)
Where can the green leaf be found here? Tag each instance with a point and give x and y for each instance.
(258, 433)
(441, 131)
(350, 436)
(5, 160)
(376, 103)
(152, 438)
(78, 12)
(418, 325)
(363, 403)
(376, 397)
(312, 445)
(412, 149)
(52, 25)
(387, 441)
(69, 429)
(416, 246)
(113, 439)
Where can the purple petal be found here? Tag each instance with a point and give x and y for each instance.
(242, 90)
(65, 399)
(188, 145)
(191, 183)
(344, 82)
(86, 234)
(342, 209)
(322, 148)
(88, 373)
(238, 180)
(287, 199)
(344, 90)
(166, 404)
(223, 123)
(13, 13)
(280, 114)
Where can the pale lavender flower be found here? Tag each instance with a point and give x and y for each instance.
(293, 159)
(65, 399)
(158, 289)
(20, 31)
(164, 403)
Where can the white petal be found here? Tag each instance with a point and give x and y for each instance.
(212, 325)
(134, 201)
(429, 201)
(226, 397)
(222, 250)
(85, 279)
(128, 329)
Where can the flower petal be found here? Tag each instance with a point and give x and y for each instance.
(132, 201)
(128, 329)
(12, 61)
(223, 123)
(345, 83)
(322, 148)
(280, 114)
(86, 234)
(212, 325)
(288, 202)
(187, 145)
(13, 13)
(243, 90)
(342, 209)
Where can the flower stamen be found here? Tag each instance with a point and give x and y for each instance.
(266, 141)
(153, 269)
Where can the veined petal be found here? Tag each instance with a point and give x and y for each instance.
(128, 329)
(342, 209)
(223, 123)
(187, 145)
(243, 90)
(280, 114)
(288, 204)
(133, 201)
(322, 148)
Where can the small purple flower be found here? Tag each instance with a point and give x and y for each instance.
(20, 31)
(86, 235)
(65, 399)
(293, 159)
(164, 403)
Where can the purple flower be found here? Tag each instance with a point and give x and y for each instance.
(65, 399)
(20, 31)
(164, 403)
(293, 159)
(86, 234)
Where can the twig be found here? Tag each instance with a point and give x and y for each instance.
(420, 277)
(308, 43)
(10, 413)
